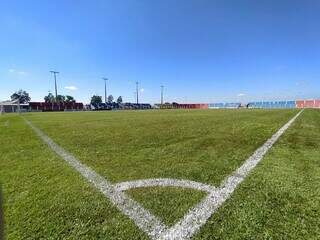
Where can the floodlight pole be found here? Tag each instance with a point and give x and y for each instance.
(105, 89)
(19, 110)
(137, 92)
(55, 82)
(162, 87)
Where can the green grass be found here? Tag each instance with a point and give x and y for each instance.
(281, 198)
(169, 203)
(200, 145)
(45, 198)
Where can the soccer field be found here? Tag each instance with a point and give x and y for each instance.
(47, 198)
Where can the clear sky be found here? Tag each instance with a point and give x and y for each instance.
(200, 50)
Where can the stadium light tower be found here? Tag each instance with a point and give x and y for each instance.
(55, 81)
(137, 92)
(162, 87)
(105, 89)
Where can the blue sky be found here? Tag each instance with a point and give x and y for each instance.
(201, 51)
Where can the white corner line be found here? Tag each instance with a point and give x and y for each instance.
(164, 182)
(194, 219)
(198, 216)
(142, 217)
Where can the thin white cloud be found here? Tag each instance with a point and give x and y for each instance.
(302, 83)
(241, 94)
(22, 73)
(142, 90)
(71, 88)
(15, 71)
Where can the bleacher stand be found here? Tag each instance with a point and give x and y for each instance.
(274, 104)
(224, 105)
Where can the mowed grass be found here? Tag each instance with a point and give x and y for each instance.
(280, 199)
(45, 198)
(169, 203)
(199, 145)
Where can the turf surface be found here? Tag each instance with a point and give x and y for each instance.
(281, 198)
(44, 198)
(169, 203)
(199, 145)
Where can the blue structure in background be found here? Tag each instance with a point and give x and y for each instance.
(268, 105)
(119, 106)
(224, 105)
(275, 104)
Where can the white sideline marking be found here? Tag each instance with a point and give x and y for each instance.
(142, 217)
(198, 215)
(195, 218)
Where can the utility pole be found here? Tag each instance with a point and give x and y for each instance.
(105, 89)
(55, 82)
(137, 91)
(19, 108)
(162, 87)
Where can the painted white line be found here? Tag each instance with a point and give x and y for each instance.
(198, 215)
(142, 218)
(195, 218)
(164, 182)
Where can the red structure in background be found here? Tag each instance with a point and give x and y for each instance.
(193, 106)
(45, 107)
(308, 103)
(274, 104)
(300, 104)
(204, 106)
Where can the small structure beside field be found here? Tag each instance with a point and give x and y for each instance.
(13, 106)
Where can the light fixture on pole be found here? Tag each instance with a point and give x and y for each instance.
(105, 89)
(55, 81)
(162, 87)
(137, 92)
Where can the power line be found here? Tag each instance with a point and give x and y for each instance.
(55, 81)
(105, 89)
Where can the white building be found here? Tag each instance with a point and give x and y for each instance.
(12, 106)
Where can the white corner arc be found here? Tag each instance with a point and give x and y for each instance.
(146, 221)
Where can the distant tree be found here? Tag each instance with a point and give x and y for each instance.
(110, 99)
(96, 100)
(23, 96)
(69, 99)
(60, 98)
(119, 100)
(49, 98)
